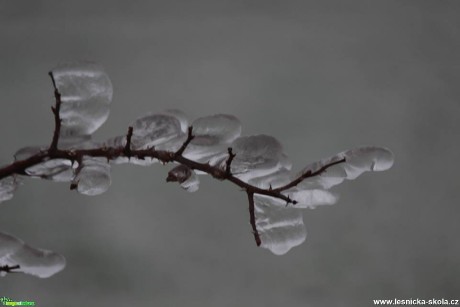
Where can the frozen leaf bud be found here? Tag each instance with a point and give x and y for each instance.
(185, 176)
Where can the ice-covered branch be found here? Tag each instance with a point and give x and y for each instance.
(210, 145)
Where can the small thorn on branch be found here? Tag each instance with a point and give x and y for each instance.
(228, 163)
(127, 149)
(57, 119)
(190, 137)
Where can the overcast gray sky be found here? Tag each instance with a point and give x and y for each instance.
(321, 76)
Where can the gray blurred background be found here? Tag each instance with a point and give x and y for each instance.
(321, 76)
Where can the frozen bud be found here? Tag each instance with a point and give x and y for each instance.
(185, 176)
(179, 174)
(86, 93)
(93, 177)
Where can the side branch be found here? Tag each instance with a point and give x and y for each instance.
(190, 137)
(127, 149)
(252, 218)
(308, 174)
(57, 119)
(228, 163)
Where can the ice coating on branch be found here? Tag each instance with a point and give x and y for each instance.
(86, 93)
(94, 177)
(155, 129)
(357, 161)
(34, 261)
(8, 244)
(280, 225)
(280, 228)
(311, 198)
(274, 180)
(185, 176)
(76, 142)
(180, 116)
(256, 156)
(59, 170)
(212, 135)
(27, 152)
(7, 187)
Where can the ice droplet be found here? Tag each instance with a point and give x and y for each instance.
(280, 228)
(34, 261)
(86, 93)
(257, 156)
(94, 176)
(216, 129)
(155, 129)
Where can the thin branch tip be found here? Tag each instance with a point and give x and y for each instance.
(190, 137)
(57, 119)
(129, 135)
(228, 163)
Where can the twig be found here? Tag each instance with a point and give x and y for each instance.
(308, 174)
(127, 149)
(228, 163)
(57, 119)
(9, 269)
(252, 218)
(190, 137)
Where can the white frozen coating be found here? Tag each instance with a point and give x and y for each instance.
(86, 93)
(275, 180)
(357, 161)
(192, 184)
(27, 152)
(7, 187)
(219, 128)
(256, 156)
(311, 198)
(155, 129)
(59, 170)
(34, 261)
(180, 116)
(8, 244)
(280, 228)
(94, 176)
(212, 136)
